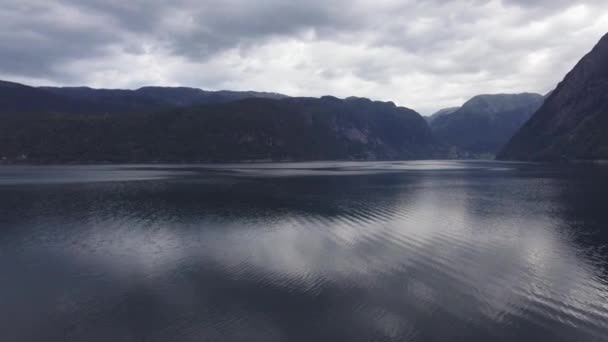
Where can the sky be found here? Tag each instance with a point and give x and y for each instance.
(425, 55)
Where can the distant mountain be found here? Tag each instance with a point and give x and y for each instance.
(440, 113)
(573, 122)
(254, 128)
(152, 98)
(18, 98)
(484, 123)
(184, 97)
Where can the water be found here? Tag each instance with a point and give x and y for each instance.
(406, 251)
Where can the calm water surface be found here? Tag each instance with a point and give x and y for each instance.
(405, 251)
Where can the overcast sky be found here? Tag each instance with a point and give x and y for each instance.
(425, 55)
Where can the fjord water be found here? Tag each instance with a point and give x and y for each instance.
(377, 251)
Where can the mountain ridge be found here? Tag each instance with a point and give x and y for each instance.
(249, 128)
(573, 121)
(484, 123)
(440, 113)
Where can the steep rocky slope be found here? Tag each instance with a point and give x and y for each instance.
(573, 121)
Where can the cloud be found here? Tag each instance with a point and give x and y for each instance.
(422, 54)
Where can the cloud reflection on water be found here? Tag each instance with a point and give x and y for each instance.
(401, 248)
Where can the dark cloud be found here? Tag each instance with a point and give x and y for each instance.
(424, 54)
(37, 37)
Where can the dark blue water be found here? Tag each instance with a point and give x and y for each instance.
(407, 251)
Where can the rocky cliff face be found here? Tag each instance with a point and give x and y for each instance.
(573, 121)
(484, 123)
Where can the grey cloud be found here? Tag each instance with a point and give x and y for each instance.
(413, 52)
(36, 37)
(201, 28)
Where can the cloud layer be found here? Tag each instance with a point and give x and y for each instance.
(422, 54)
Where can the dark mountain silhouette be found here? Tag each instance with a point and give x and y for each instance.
(484, 123)
(573, 121)
(171, 125)
(19, 98)
(151, 98)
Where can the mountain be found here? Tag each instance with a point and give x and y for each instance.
(254, 128)
(440, 113)
(573, 121)
(152, 98)
(19, 98)
(484, 123)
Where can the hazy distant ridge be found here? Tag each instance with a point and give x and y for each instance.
(484, 123)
